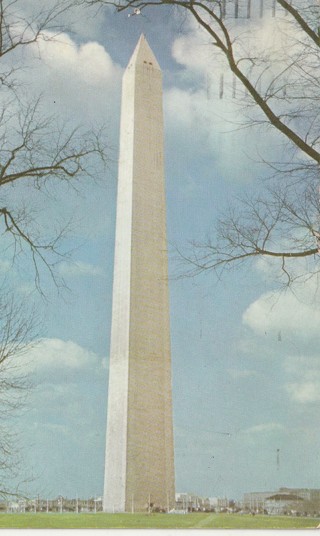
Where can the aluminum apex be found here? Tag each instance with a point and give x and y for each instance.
(143, 54)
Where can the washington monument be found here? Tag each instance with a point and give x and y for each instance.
(139, 467)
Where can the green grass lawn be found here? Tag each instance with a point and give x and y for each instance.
(161, 521)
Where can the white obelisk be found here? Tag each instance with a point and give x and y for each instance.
(139, 468)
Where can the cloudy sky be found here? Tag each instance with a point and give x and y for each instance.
(245, 359)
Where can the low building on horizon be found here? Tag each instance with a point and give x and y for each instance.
(283, 501)
(194, 503)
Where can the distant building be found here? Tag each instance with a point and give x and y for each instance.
(194, 503)
(283, 503)
(307, 494)
(284, 500)
(255, 500)
(59, 504)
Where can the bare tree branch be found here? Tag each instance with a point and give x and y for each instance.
(283, 86)
(18, 326)
(40, 151)
(283, 224)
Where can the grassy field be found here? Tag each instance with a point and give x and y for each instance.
(161, 521)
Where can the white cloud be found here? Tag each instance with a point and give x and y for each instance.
(268, 37)
(308, 366)
(69, 383)
(304, 392)
(194, 51)
(64, 417)
(299, 268)
(304, 373)
(79, 83)
(89, 62)
(298, 314)
(264, 428)
(48, 394)
(79, 268)
(215, 134)
(293, 322)
(261, 434)
(218, 119)
(54, 360)
(77, 63)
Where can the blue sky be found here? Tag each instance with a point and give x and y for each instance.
(240, 391)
